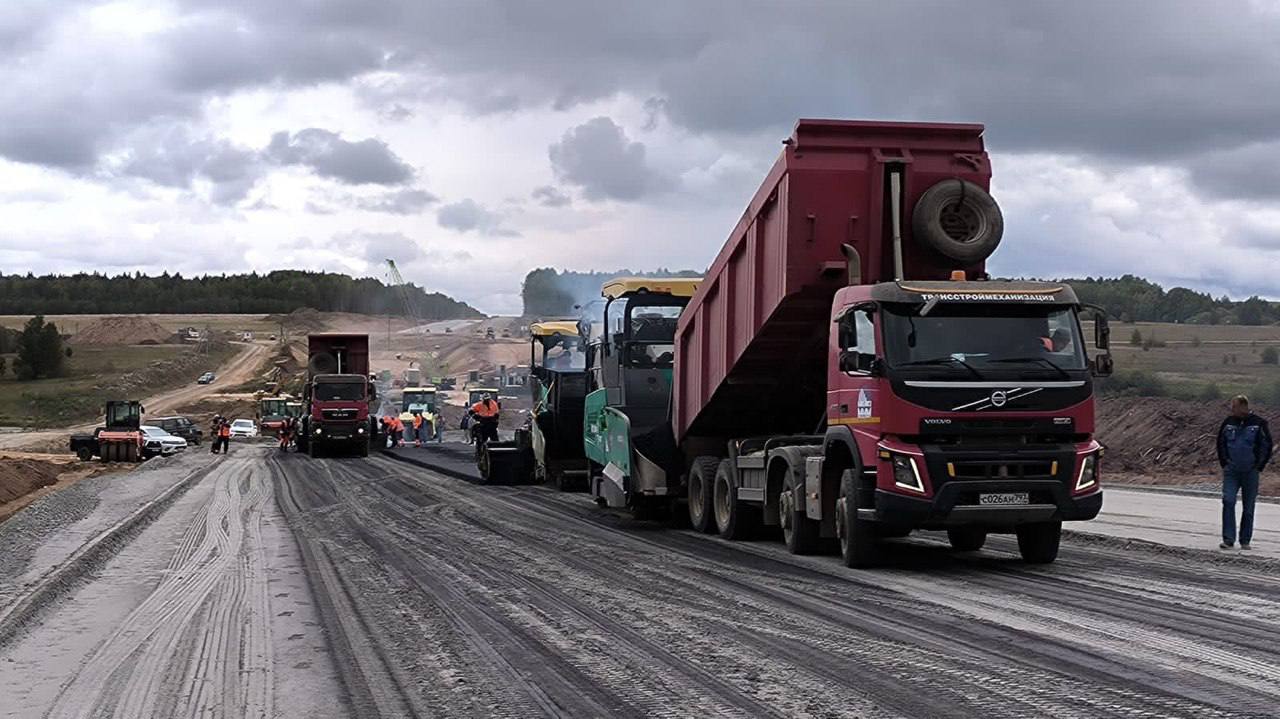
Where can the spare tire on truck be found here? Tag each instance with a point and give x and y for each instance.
(959, 220)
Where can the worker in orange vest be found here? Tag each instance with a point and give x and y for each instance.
(224, 437)
(397, 429)
(486, 413)
(417, 429)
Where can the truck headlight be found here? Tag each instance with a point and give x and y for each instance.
(1088, 472)
(359, 430)
(906, 474)
(318, 430)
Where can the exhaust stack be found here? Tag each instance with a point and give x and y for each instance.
(854, 262)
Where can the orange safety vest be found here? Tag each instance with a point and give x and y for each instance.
(417, 421)
(487, 411)
(224, 430)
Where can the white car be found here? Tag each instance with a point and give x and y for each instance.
(243, 428)
(156, 441)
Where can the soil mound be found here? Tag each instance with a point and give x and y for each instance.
(20, 477)
(303, 319)
(123, 330)
(1151, 435)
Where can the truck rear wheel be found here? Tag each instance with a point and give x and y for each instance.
(967, 539)
(314, 450)
(857, 536)
(702, 480)
(84, 453)
(1038, 543)
(735, 519)
(798, 531)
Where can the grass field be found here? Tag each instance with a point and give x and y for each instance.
(1196, 361)
(98, 373)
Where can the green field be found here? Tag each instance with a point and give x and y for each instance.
(98, 373)
(1196, 361)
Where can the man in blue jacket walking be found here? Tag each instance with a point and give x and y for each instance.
(1244, 448)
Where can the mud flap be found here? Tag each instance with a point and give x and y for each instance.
(613, 487)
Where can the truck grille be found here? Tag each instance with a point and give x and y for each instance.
(948, 463)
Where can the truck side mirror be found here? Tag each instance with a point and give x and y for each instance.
(851, 361)
(1101, 328)
(373, 391)
(1103, 365)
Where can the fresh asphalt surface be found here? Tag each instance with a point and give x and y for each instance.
(277, 585)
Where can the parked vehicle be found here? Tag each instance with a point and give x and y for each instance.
(243, 428)
(337, 395)
(118, 440)
(179, 426)
(206, 378)
(157, 442)
(847, 371)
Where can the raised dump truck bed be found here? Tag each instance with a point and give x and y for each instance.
(751, 347)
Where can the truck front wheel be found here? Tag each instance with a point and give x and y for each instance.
(967, 539)
(1038, 543)
(857, 536)
(798, 531)
(734, 518)
(702, 480)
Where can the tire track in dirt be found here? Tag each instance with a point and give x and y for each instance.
(200, 642)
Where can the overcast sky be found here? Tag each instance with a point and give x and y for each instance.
(473, 140)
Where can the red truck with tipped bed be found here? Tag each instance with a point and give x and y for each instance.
(337, 395)
(847, 370)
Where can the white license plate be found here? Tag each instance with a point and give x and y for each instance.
(1005, 498)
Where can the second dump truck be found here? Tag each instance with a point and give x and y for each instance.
(337, 396)
(847, 370)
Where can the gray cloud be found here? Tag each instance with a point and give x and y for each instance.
(172, 158)
(376, 247)
(598, 157)
(1249, 172)
(368, 161)
(468, 215)
(399, 202)
(549, 196)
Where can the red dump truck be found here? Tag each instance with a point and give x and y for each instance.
(847, 370)
(337, 396)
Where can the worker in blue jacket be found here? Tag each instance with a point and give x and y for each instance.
(1244, 448)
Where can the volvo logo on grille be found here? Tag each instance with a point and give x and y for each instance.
(999, 398)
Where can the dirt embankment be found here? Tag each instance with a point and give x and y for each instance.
(124, 330)
(1166, 440)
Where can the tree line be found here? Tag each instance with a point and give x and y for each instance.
(1133, 299)
(281, 292)
(548, 292)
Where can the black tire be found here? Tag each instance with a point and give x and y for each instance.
(315, 450)
(84, 453)
(735, 519)
(701, 488)
(484, 466)
(967, 539)
(857, 536)
(1038, 543)
(959, 220)
(800, 533)
(364, 449)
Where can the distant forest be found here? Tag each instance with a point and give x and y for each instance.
(1133, 299)
(548, 292)
(276, 292)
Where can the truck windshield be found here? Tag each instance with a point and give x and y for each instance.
(423, 399)
(339, 391)
(274, 408)
(563, 353)
(984, 338)
(652, 334)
